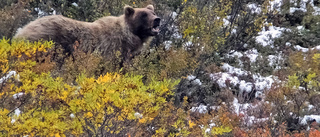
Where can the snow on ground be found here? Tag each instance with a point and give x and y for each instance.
(194, 80)
(251, 120)
(10, 74)
(302, 49)
(75, 4)
(276, 4)
(233, 70)
(302, 6)
(263, 83)
(221, 78)
(40, 12)
(54, 12)
(307, 118)
(254, 8)
(266, 37)
(252, 54)
(72, 115)
(18, 30)
(167, 44)
(310, 107)
(235, 54)
(275, 60)
(17, 112)
(201, 109)
(231, 78)
(138, 115)
(240, 108)
(17, 95)
(174, 15)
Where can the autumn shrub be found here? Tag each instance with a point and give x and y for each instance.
(161, 64)
(109, 105)
(79, 62)
(296, 97)
(180, 120)
(13, 15)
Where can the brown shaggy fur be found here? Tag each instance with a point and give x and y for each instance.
(125, 33)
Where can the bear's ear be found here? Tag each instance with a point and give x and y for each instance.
(128, 11)
(150, 7)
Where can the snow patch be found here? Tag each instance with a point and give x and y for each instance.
(231, 78)
(17, 112)
(302, 49)
(194, 80)
(250, 120)
(17, 95)
(307, 118)
(226, 22)
(191, 77)
(201, 109)
(174, 15)
(233, 70)
(138, 115)
(167, 44)
(221, 79)
(275, 60)
(266, 37)
(75, 4)
(236, 54)
(254, 8)
(240, 108)
(40, 12)
(245, 86)
(252, 54)
(310, 107)
(302, 6)
(263, 83)
(72, 115)
(10, 74)
(276, 4)
(197, 82)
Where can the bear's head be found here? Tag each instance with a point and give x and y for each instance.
(143, 22)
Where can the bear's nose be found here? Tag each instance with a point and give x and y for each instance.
(157, 21)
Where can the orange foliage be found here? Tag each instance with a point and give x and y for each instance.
(314, 133)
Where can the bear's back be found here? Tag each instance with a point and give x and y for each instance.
(58, 28)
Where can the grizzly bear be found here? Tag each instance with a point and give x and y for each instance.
(125, 33)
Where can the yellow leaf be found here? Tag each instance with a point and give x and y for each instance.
(57, 135)
(1, 94)
(143, 120)
(88, 115)
(191, 124)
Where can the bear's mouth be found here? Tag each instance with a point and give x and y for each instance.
(156, 29)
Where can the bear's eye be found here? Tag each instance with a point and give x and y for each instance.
(144, 14)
